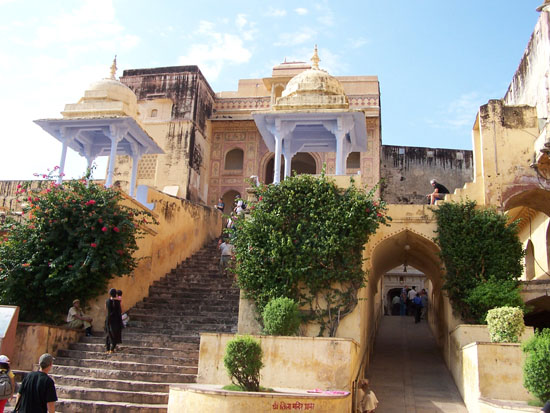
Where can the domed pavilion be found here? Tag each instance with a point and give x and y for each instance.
(312, 115)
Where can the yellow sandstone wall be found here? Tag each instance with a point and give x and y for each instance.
(196, 398)
(33, 340)
(291, 362)
(184, 227)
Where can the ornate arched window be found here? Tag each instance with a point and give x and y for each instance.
(234, 159)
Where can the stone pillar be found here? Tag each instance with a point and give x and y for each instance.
(66, 136)
(277, 163)
(341, 153)
(116, 135)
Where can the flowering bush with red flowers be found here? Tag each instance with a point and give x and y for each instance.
(75, 238)
(304, 240)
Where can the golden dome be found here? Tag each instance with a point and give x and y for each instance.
(313, 89)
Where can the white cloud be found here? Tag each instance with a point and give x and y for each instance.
(357, 43)
(301, 11)
(273, 12)
(327, 16)
(241, 21)
(459, 113)
(296, 38)
(211, 57)
(246, 28)
(47, 62)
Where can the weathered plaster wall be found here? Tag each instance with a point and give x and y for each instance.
(175, 104)
(460, 337)
(201, 398)
(406, 172)
(529, 86)
(292, 362)
(8, 196)
(493, 371)
(33, 340)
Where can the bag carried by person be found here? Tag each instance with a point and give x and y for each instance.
(6, 388)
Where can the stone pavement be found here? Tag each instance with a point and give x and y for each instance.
(407, 372)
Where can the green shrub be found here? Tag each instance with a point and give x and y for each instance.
(281, 317)
(505, 324)
(477, 244)
(243, 362)
(304, 240)
(536, 370)
(491, 294)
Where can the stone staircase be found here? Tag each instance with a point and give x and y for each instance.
(160, 347)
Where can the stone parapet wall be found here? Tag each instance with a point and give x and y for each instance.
(406, 172)
(291, 362)
(33, 340)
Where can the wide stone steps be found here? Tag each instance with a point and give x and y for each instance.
(124, 365)
(188, 361)
(147, 347)
(160, 346)
(152, 376)
(124, 385)
(111, 395)
(79, 406)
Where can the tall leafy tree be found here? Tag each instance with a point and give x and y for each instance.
(482, 256)
(304, 240)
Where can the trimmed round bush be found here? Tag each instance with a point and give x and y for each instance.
(536, 370)
(243, 362)
(505, 324)
(281, 317)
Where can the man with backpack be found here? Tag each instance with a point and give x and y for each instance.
(7, 382)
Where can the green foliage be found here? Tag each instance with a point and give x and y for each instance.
(477, 246)
(491, 294)
(304, 240)
(536, 370)
(281, 317)
(243, 362)
(75, 238)
(505, 324)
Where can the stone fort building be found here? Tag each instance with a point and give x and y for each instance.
(212, 141)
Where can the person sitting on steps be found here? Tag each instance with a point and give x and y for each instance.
(77, 319)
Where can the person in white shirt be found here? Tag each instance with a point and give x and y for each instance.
(227, 253)
(410, 297)
(77, 319)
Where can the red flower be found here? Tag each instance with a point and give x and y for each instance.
(104, 229)
(260, 198)
(93, 245)
(18, 186)
(90, 202)
(116, 229)
(100, 221)
(69, 266)
(367, 210)
(25, 264)
(379, 214)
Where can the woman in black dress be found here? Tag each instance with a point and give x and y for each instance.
(113, 322)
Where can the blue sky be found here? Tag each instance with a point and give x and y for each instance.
(437, 61)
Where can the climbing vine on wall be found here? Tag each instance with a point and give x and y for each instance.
(482, 256)
(75, 237)
(304, 240)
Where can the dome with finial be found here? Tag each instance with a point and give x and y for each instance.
(106, 97)
(313, 89)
